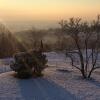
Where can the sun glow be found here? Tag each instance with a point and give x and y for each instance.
(47, 9)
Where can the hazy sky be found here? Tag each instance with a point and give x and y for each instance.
(47, 9)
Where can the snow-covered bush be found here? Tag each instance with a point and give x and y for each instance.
(27, 64)
(38, 61)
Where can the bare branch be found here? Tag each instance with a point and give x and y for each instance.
(72, 61)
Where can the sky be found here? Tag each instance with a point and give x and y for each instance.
(47, 10)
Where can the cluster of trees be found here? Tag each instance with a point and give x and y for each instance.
(86, 39)
(53, 39)
(26, 63)
(9, 44)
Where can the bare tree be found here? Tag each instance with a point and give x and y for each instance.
(86, 37)
(9, 44)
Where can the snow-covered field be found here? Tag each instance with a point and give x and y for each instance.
(4, 65)
(60, 82)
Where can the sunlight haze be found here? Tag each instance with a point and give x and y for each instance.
(47, 10)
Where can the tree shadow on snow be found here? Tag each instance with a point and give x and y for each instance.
(43, 89)
(64, 71)
(95, 82)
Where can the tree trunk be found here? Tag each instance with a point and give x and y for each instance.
(83, 74)
(90, 73)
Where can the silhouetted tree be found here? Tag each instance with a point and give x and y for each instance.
(86, 37)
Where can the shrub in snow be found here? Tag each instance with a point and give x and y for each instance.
(27, 64)
(38, 61)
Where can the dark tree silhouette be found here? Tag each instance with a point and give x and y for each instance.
(8, 43)
(86, 37)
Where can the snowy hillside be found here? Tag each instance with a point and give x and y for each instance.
(60, 82)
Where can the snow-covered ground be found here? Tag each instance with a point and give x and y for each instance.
(31, 89)
(60, 82)
(4, 65)
(72, 82)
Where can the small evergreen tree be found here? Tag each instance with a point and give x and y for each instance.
(27, 64)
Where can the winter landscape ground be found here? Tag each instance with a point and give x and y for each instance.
(60, 82)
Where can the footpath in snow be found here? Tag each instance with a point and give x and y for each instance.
(31, 89)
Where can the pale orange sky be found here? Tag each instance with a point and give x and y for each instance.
(13, 10)
(19, 14)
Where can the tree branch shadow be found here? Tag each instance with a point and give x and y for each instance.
(95, 82)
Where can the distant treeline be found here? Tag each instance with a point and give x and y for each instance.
(52, 39)
(10, 43)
